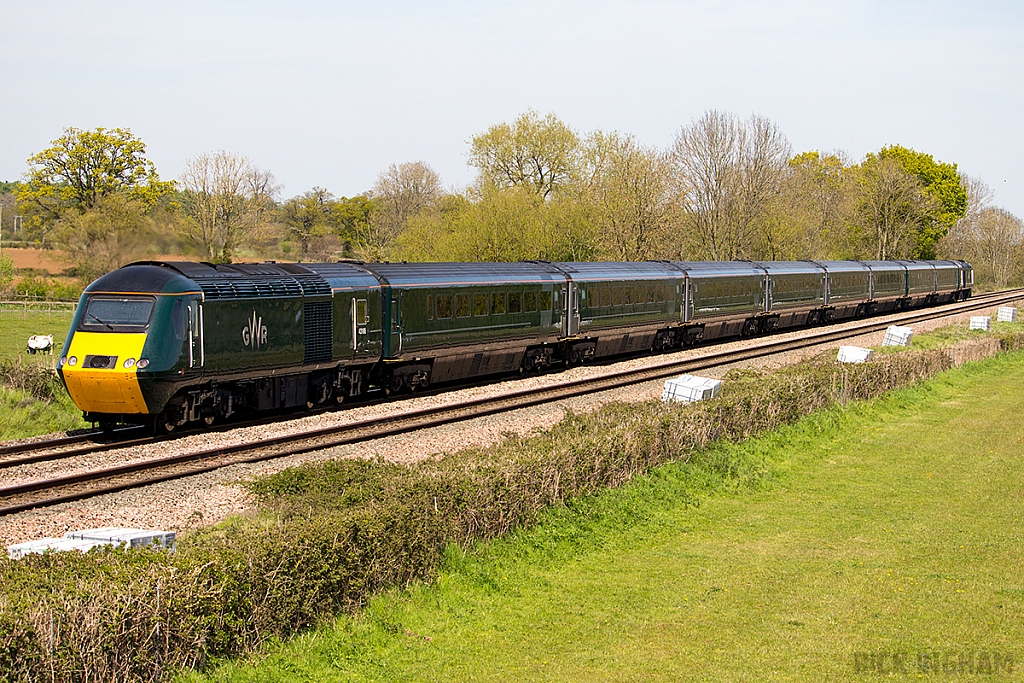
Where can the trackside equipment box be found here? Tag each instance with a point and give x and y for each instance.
(132, 538)
(42, 545)
(897, 336)
(981, 322)
(1007, 314)
(853, 354)
(689, 388)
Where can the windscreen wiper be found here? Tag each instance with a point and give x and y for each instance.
(106, 325)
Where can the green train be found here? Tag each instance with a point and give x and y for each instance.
(174, 343)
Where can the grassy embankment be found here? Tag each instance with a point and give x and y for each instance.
(816, 552)
(32, 399)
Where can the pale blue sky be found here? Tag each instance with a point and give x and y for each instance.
(330, 94)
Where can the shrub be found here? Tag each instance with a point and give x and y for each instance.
(329, 535)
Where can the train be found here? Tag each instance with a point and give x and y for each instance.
(176, 343)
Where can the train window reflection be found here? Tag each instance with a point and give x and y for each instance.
(116, 314)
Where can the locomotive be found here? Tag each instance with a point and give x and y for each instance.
(170, 343)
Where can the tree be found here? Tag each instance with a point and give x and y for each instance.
(539, 154)
(7, 271)
(728, 175)
(308, 216)
(225, 199)
(114, 231)
(997, 246)
(82, 167)
(945, 187)
(892, 207)
(816, 195)
(401, 192)
(626, 189)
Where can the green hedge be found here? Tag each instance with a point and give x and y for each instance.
(329, 535)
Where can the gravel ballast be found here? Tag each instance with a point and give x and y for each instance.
(209, 498)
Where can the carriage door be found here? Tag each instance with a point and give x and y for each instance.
(360, 317)
(196, 346)
(571, 326)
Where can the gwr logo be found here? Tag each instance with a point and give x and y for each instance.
(254, 334)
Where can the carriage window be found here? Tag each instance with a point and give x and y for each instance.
(479, 304)
(462, 305)
(650, 294)
(515, 302)
(497, 303)
(444, 307)
(361, 312)
(545, 301)
(430, 307)
(606, 296)
(617, 296)
(628, 296)
(530, 302)
(659, 292)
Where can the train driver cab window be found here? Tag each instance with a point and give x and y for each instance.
(515, 302)
(497, 303)
(529, 302)
(116, 314)
(444, 306)
(479, 304)
(462, 305)
(545, 301)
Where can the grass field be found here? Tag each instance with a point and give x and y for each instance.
(16, 327)
(21, 414)
(878, 542)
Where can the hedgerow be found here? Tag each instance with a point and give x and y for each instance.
(329, 535)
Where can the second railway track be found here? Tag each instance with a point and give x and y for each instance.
(48, 492)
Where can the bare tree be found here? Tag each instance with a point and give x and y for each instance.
(997, 245)
(816, 195)
(728, 175)
(225, 199)
(400, 193)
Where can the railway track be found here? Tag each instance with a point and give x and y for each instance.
(91, 483)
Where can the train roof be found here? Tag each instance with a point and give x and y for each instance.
(143, 278)
(702, 269)
(464, 274)
(791, 267)
(844, 266)
(597, 271)
(885, 265)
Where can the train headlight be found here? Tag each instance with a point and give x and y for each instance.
(129, 362)
(63, 360)
(143, 363)
(72, 361)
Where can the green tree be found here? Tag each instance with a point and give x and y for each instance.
(114, 231)
(308, 216)
(83, 166)
(892, 208)
(6, 273)
(539, 154)
(942, 182)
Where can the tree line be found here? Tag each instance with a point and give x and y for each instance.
(726, 188)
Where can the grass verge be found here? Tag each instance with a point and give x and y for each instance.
(853, 544)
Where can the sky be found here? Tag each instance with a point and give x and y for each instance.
(329, 94)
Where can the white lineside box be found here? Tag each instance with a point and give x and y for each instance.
(1007, 314)
(689, 388)
(853, 354)
(981, 322)
(42, 545)
(122, 536)
(897, 336)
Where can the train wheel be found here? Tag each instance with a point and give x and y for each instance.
(162, 426)
(107, 426)
(209, 420)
